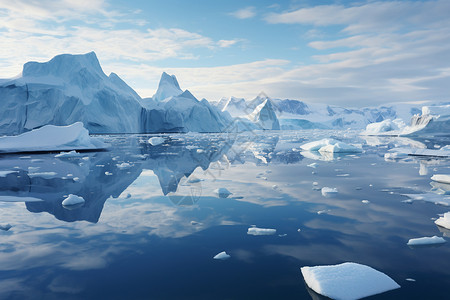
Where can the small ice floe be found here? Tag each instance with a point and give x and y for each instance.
(73, 201)
(321, 212)
(261, 231)
(222, 192)
(443, 178)
(69, 154)
(76, 179)
(123, 166)
(6, 173)
(425, 241)
(282, 235)
(222, 256)
(156, 140)
(5, 227)
(108, 173)
(347, 281)
(329, 192)
(45, 175)
(313, 165)
(343, 175)
(299, 230)
(430, 197)
(444, 221)
(410, 279)
(365, 201)
(330, 146)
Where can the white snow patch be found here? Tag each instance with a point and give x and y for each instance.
(347, 281)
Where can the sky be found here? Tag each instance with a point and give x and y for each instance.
(349, 53)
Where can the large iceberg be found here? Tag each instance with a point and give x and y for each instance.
(347, 281)
(51, 138)
(73, 88)
(264, 116)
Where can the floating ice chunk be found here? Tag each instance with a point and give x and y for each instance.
(51, 138)
(423, 241)
(385, 127)
(410, 279)
(156, 140)
(45, 175)
(5, 227)
(430, 197)
(321, 212)
(123, 166)
(313, 165)
(316, 145)
(6, 173)
(261, 231)
(73, 200)
(222, 192)
(441, 178)
(19, 199)
(347, 281)
(222, 256)
(401, 151)
(193, 223)
(299, 230)
(282, 235)
(365, 201)
(329, 192)
(108, 173)
(330, 146)
(444, 221)
(69, 154)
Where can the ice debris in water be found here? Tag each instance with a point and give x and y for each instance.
(222, 192)
(222, 256)
(444, 221)
(313, 165)
(123, 166)
(72, 200)
(329, 192)
(5, 227)
(347, 281)
(331, 146)
(443, 178)
(365, 201)
(69, 154)
(423, 241)
(156, 140)
(261, 231)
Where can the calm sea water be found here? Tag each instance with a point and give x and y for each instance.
(150, 227)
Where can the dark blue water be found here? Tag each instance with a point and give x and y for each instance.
(149, 229)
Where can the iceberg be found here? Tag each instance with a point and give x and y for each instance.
(222, 192)
(51, 138)
(329, 192)
(168, 87)
(330, 146)
(69, 154)
(444, 221)
(73, 200)
(261, 231)
(264, 116)
(385, 127)
(443, 178)
(222, 256)
(434, 121)
(156, 140)
(425, 241)
(347, 281)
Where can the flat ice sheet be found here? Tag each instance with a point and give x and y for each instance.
(347, 281)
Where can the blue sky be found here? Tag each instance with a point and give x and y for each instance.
(351, 53)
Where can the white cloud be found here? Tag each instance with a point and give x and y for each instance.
(244, 13)
(226, 43)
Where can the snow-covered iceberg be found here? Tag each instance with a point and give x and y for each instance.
(347, 281)
(222, 256)
(51, 138)
(264, 116)
(426, 241)
(434, 121)
(74, 88)
(385, 127)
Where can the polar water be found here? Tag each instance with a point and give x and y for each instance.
(152, 219)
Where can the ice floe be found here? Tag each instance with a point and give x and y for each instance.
(222, 256)
(430, 197)
(443, 178)
(73, 200)
(329, 192)
(444, 221)
(69, 154)
(330, 146)
(51, 138)
(261, 231)
(156, 140)
(402, 151)
(424, 241)
(347, 281)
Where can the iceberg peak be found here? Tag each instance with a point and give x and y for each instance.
(64, 65)
(168, 87)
